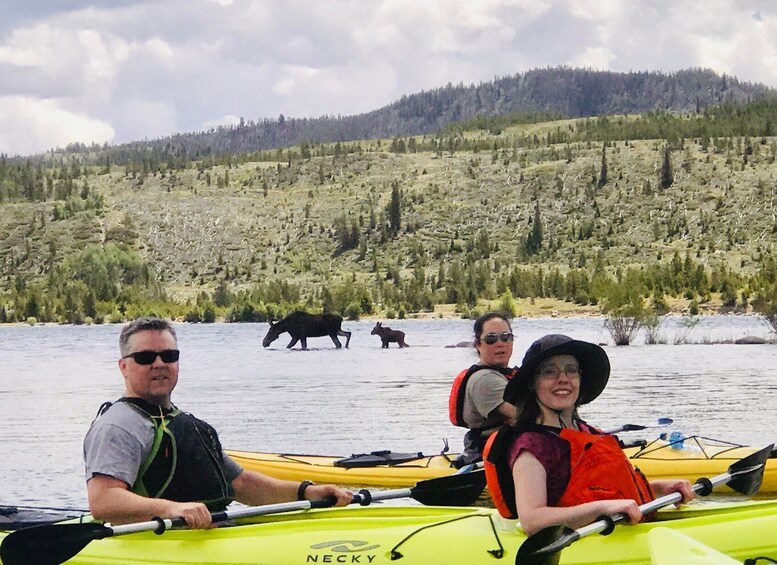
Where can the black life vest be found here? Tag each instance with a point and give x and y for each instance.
(179, 436)
(459, 391)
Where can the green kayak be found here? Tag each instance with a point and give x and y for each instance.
(382, 534)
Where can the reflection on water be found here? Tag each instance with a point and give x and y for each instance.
(351, 401)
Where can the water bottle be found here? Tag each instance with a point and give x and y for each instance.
(676, 440)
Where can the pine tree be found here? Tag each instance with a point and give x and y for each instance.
(603, 172)
(667, 177)
(534, 239)
(394, 210)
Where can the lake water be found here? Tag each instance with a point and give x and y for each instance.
(54, 378)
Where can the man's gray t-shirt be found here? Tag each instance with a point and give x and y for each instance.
(120, 440)
(485, 389)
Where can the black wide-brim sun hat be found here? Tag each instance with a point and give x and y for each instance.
(594, 366)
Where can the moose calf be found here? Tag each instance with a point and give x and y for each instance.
(387, 335)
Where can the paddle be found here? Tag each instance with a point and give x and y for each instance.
(660, 423)
(544, 547)
(56, 543)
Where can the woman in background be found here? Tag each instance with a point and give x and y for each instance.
(476, 400)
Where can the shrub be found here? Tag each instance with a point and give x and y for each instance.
(209, 315)
(193, 317)
(352, 311)
(652, 324)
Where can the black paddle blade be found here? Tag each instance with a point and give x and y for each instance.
(544, 547)
(747, 474)
(453, 490)
(49, 545)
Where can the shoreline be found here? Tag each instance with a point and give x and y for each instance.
(431, 316)
(525, 308)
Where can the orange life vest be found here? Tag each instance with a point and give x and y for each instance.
(499, 475)
(459, 391)
(599, 470)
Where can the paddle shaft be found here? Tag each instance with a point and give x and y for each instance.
(702, 486)
(160, 525)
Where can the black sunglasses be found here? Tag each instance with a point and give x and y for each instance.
(491, 339)
(148, 357)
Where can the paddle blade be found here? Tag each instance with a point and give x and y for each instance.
(660, 423)
(468, 468)
(748, 473)
(49, 545)
(452, 490)
(544, 547)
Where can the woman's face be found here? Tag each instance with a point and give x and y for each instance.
(499, 352)
(557, 383)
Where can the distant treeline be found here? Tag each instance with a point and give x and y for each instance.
(563, 91)
(111, 283)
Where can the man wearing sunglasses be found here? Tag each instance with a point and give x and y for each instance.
(145, 458)
(476, 399)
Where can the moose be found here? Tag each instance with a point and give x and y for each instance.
(387, 335)
(302, 325)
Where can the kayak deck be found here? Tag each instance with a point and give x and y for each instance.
(668, 547)
(657, 459)
(322, 469)
(695, 457)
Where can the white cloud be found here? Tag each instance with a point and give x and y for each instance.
(160, 49)
(141, 118)
(18, 56)
(597, 10)
(30, 126)
(148, 68)
(293, 77)
(228, 120)
(598, 58)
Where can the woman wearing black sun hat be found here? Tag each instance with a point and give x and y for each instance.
(552, 467)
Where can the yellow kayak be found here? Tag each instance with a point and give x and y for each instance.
(695, 457)
(324, 468)
(421, 535)
(303, 532)
(670, 547)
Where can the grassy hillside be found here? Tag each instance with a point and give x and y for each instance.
(321, 221)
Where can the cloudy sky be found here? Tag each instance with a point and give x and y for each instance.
(122, 70)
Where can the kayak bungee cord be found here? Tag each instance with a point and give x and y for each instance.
(497, 553)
